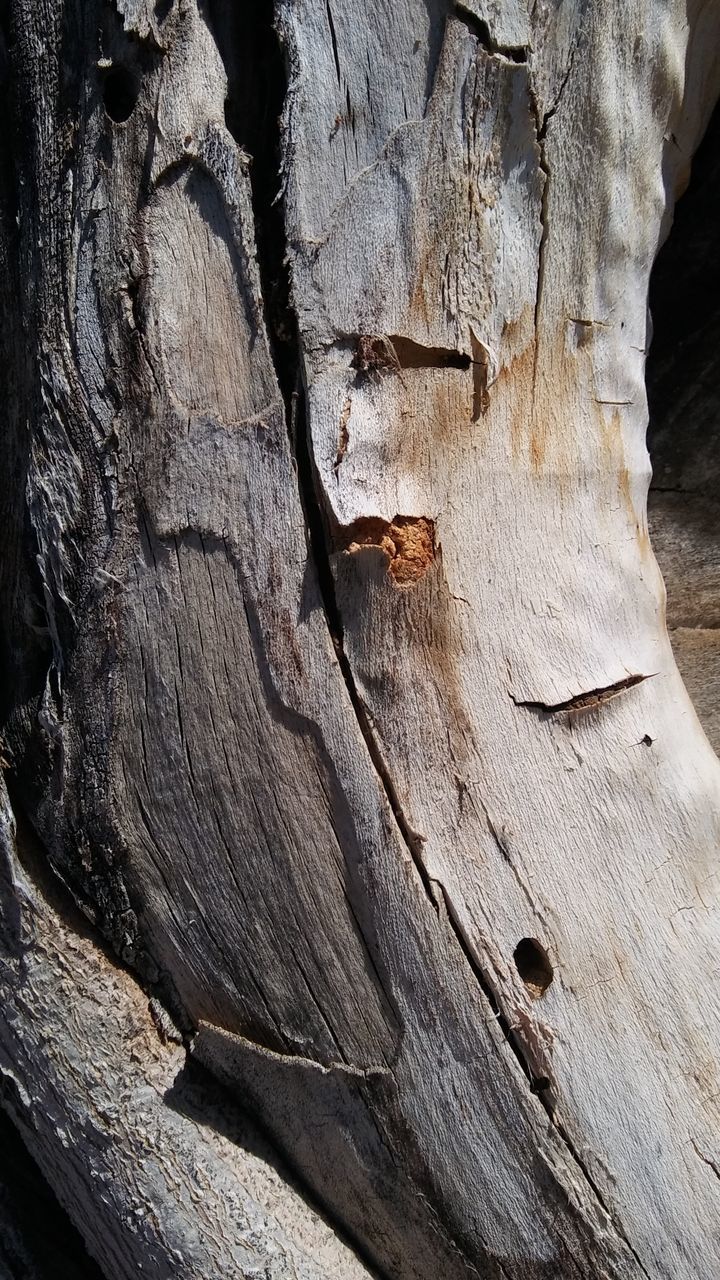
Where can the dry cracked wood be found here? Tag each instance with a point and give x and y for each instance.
(159, 1174)
(406, 815)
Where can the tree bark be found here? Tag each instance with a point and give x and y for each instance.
(341, 698)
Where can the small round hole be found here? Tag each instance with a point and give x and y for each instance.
(120, 93)
(533, 965)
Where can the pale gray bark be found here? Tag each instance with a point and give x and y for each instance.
(342, 701)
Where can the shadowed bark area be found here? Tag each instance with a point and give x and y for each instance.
(37, 1240)
(683, 375)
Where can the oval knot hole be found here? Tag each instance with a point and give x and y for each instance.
(120, 93)
(533, 965)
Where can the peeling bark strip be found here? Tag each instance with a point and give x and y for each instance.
(306, 463)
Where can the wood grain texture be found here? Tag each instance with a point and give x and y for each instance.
(160, 1176)
(307, 733)
(592, 831)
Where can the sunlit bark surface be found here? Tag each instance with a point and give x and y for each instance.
(339, 695)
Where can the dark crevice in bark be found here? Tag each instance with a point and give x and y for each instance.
(257, 85)
(683, 360)
(480, 29)
(37, 1239)
(537, 1083)
(413, 355)
(540, 135)
(551, 111)
(333, 38)
(584, 701)
(388, 353)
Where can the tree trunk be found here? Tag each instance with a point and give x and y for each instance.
(340, 694)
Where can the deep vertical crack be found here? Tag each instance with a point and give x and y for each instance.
(287, 346)
(538, 1084)
(309, 486)
(541, 128)
(256, 64)
(257, 87)
(333, 38)
(262, 138)
(540, 135)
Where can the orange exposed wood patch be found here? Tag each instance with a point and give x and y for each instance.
(407, 541)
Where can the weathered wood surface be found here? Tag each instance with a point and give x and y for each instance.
(159, 1174)
(318, 788)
